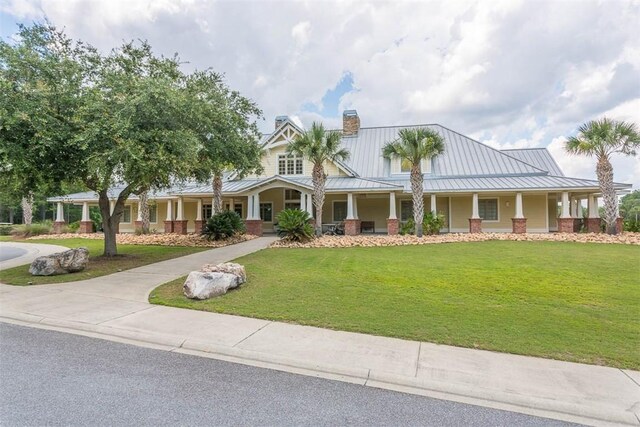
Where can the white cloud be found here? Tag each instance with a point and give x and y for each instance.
(510, 73)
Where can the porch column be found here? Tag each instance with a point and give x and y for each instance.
(60, 222)
(303, 202)
(619, 220)
(309, 204)
(180, 224)
(576, 213)
(253, 221)
(199, 221)
(475, 222)
(232, 205)
(393, 225)
(519, 222)
(86, 225)
(593, 217)
(138, 222)
(168, 224)
(351, 223)
(112, 206)
(565, 222)
(434, 206)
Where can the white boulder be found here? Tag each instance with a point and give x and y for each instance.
(227, 267)
(60, 263)
(204, 285)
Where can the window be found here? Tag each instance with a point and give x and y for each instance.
(153, 213)
(488, 209)
(292, 199)
(339, 211)
(238, 208)
(405, 166)
(207, 211)
(266, 212)
(406, 210)
(291, 194)
(126, 215)
(288, 164)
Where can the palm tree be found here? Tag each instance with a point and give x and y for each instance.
(602, 138)
(318, 146)
(415, 145)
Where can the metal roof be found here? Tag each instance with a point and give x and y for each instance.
(501, 183)
(463, 156)
(113, 194)
(538, 157)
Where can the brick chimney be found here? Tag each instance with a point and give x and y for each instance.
(280, 120)
(350, 123)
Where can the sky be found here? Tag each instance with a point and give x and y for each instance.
(511, 74)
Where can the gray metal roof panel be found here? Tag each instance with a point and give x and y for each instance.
(538, 157)
(463, 156)
(500, 183)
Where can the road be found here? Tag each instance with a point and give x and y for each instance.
(8, 253)
(54, 378)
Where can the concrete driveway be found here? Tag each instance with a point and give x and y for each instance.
(13, 254)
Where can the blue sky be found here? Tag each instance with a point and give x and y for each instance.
(510, 73)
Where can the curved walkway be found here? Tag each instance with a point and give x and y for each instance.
(29, 252)
(116, 307)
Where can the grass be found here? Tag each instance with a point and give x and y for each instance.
(130, 256)
(568, 301)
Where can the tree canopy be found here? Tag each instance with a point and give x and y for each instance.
(128, 120)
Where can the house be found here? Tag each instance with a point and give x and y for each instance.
(476, 188)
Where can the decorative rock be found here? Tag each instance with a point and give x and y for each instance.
(227, 267)
(60, 263)
(204, 285)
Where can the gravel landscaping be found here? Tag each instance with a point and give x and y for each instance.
(383, 240)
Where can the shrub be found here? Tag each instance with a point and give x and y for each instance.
(431, 224)
(74, 226)
(632, 224)
(35, 229)
(223, 225)
(5, 230)
(294, 225)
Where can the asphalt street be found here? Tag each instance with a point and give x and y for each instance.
(53, 378)
(7, 253)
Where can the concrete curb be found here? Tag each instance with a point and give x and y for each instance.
(580, 413)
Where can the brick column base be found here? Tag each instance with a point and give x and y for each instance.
(593, 225)
(393, 226)
(180, 227)
(351, 227)
(619, 225)
(200, 223)
(58, 226)
(137, 225)
(519, 225)
(168, 226)
(475, 225)
(254, 227)
(86, 227)
(565, 225)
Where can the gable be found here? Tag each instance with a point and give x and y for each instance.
(285, 134)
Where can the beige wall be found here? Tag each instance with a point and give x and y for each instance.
(270, 164)
(534, 209)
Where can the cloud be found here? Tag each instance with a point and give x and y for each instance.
(510, 73)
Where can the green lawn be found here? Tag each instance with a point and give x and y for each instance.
(568, 301)
(130, 256)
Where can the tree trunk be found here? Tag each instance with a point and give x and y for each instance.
(217, 193)
(418, 200)
(604, 170)
(319, 179)
(10, 215)
(110, 222)
(27, 209)
(144, 211)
